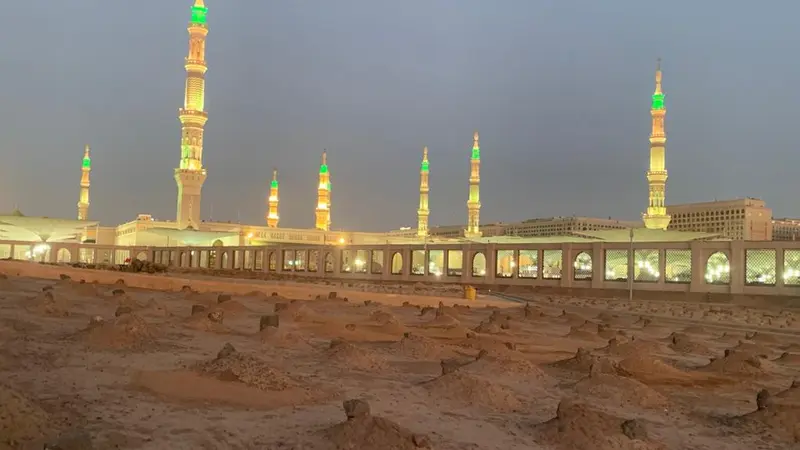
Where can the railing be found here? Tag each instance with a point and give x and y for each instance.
(735, 267)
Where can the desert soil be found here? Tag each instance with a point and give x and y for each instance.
(297, 367)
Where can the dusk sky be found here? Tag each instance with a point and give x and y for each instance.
(559, 91)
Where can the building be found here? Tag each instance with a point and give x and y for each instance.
(565, 226)
(745, 219)
(786, 229)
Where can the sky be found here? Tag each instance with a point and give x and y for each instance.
(559, 91)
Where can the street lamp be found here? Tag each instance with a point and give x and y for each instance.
(631, 270)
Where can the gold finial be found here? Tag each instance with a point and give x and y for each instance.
(475, 138)
(658, 76)
(274, 174)
(199, 3)
(425, 153)
(86, 150)
(324, 157)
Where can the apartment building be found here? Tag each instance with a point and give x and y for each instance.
(745, 219)
(563, 226)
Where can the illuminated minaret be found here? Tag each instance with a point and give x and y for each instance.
(272, 216)
(474, 202)
(423, 212)
(656, 217)
(323, 221)
(83, 202)
(191, 175)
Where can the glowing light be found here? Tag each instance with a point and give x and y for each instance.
(359, 262)
(249, 235)
(341, 240)
(87, 163)
(323, 168)
(199, 14)
(425, 166)
(274, 183)
(658, 101)
(476, 153)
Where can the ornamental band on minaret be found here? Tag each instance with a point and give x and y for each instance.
(474, 202)
(323, 211)
(83, 201)
(656, 217)
(191, 175)
(272, 215)
(423, 212)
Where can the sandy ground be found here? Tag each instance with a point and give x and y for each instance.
(106, 366)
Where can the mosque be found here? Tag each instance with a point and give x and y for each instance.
(189, 230)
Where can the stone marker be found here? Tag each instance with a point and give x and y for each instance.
(122, 310)
(355, 408)
(216, 316)
(64, 277)
(272, 320)
(222, 298)
(763, 399)
(118, 292)
(226, 351)
(196, 309)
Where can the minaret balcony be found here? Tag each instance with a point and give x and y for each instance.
(193, 116)
(195, 65)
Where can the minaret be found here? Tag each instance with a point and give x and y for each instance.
(272, 217)
(474, 202)
(656, 217)
(423, 212)
(191, 175)
(323, 221)
(83, 202)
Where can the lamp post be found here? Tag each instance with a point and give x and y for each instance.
(631, 270)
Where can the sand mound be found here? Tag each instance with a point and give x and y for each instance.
(792, 348)
(281, 338)
(645, 368)
(352, 356)
(49, 304)
(763, 338)
(620, 391)
(494, 364)
(231, 365)
(297, 312)
(202, 322)
(128, 331)
(682, 343)
(581, 362)
(577, 426)
(782, 421)
(82, 288)
(233, 307)
(365, 431)
(791, 394)
(736, 363)
(753, 349)
(420, 347)
(21, 420)
(789, 359)
(442, 321)
(730, 338)
(632, 348)
(577, 334)
(471, 390)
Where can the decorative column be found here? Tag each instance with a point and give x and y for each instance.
(83, 201)
(474, 202)
(656, 217)
(423, 212)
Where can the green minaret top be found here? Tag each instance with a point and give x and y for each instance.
(199, 12)
(425, 166)
(274, 178)
(476, 148)
(323, 168)
(87, 161)
(658, 95)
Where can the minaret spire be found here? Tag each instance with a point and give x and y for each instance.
(272, 216)
(323, 212)
(190, 175)
(474, 202)
(423, 212)
(83, 201)
(656, 216)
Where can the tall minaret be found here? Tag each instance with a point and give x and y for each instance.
(83, 201)
(474, 202)
(323, 221)
(191, 175)
(423, 212)
(272, 216)
(656, 217)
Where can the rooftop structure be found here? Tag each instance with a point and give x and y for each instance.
(786, 229)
